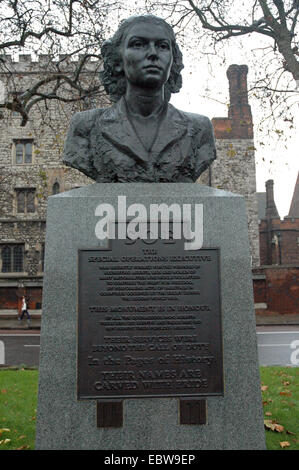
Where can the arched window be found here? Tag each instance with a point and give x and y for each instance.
(23, 150)
(55, 188)
(25, 200)
(20, 201)
(19, 153)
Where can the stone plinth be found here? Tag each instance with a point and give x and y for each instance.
(235, 421)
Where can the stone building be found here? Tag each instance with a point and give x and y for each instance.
(31, 171)
(234, 169)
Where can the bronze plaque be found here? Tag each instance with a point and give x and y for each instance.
(149, 321)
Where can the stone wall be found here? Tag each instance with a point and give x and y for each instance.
(234, 168)
(234, 171)
(46, 129)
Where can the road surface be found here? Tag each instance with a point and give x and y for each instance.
(277, 345)
(19, 348)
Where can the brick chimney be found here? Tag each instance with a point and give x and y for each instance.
(271, 213)
(238, 124)
(294, 208)
(271, 210)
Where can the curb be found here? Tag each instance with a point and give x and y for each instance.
(271, 320)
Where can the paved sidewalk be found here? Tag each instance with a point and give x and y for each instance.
(19, 325)
(279, 319)
(9, 320)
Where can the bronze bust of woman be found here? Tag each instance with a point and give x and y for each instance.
(141, 138)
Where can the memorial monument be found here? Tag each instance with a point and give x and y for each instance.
(144, 344)
(142, 138)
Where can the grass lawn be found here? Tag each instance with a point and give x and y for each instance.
(18, 403)
(280, 395)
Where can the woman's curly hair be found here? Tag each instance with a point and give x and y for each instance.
(115, 82)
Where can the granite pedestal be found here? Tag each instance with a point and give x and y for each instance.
(235, 421)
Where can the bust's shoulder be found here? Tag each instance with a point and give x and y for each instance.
(196, 119)
(84, 120)
(199, 119)
(198, 122)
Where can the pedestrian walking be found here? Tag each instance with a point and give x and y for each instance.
(24, 309)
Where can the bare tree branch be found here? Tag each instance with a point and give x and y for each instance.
(276, 23)
(74, 27)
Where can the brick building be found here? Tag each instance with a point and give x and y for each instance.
(31, 171)
(279, 239)
(276, 284)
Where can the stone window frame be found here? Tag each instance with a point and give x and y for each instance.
(26, 191)
(23, 142)
(13, 262)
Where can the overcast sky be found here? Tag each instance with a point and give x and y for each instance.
(205, 76)
(205, 91)
(283, 155)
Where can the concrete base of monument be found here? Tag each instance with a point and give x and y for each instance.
(234, 417)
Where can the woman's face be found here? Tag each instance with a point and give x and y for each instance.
(146, 53)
